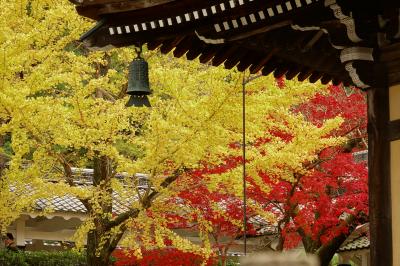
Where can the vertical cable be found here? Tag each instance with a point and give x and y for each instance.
(244, 162)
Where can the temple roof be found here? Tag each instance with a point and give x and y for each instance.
(326, 40)
(361, 242)
(357, 240)
(71, 204)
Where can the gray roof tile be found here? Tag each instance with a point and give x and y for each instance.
(361, 242)
(72, 204)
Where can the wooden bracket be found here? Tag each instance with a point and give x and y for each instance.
(394, 130)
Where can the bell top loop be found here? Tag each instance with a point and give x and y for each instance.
(138, 50)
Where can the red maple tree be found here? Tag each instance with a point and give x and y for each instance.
(321, 208)
(318, 209)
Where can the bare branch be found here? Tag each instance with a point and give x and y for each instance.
(251, 78)
(132, 213)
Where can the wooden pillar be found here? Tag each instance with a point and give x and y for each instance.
(379, 177)
(394, 115)
(364, 258)
(20, 231)
(344, 257)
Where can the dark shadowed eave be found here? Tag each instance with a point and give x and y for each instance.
(322, 40)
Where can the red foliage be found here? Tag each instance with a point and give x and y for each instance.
(218, 207)
(165, 257)
(202, 199)
(315, 204)
(280, 82)
(352, 108)
(322, 199)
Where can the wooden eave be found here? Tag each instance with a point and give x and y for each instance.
(94, 9)
(301, 38)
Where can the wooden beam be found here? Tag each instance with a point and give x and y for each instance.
(390, 56)
(394, 70)
(394, 130)
(220, 57)
(248, 34)
(183, 46)
(292, 72)
(313, 40)
(95, 9)
(256, 67)
(234, 59)
(384, 171)
(315, 77)
(247, 61)
(167, 46)
(154, 44)
(304, 74)
(380, 215)
(194, 52)
(138, 3)
(390, 52)
(280, 71)
(325, 79)
(268, 68)
(209, 53)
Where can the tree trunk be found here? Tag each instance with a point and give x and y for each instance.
(222, 259)
(223, 256)
(281, 241)
(103, 226)
(308, 244)
(93, 249)
(102, 250)
(326, 252)
(98, 249)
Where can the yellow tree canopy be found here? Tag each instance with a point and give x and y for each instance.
(63, 106)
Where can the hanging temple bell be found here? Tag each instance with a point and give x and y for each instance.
(138, 82)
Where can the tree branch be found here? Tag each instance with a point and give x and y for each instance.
(167, 181)
(132, 213)
(325, 252)
(146, 203)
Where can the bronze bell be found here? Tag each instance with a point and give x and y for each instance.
(138, 83)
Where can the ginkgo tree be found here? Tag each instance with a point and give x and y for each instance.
(63, 106)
